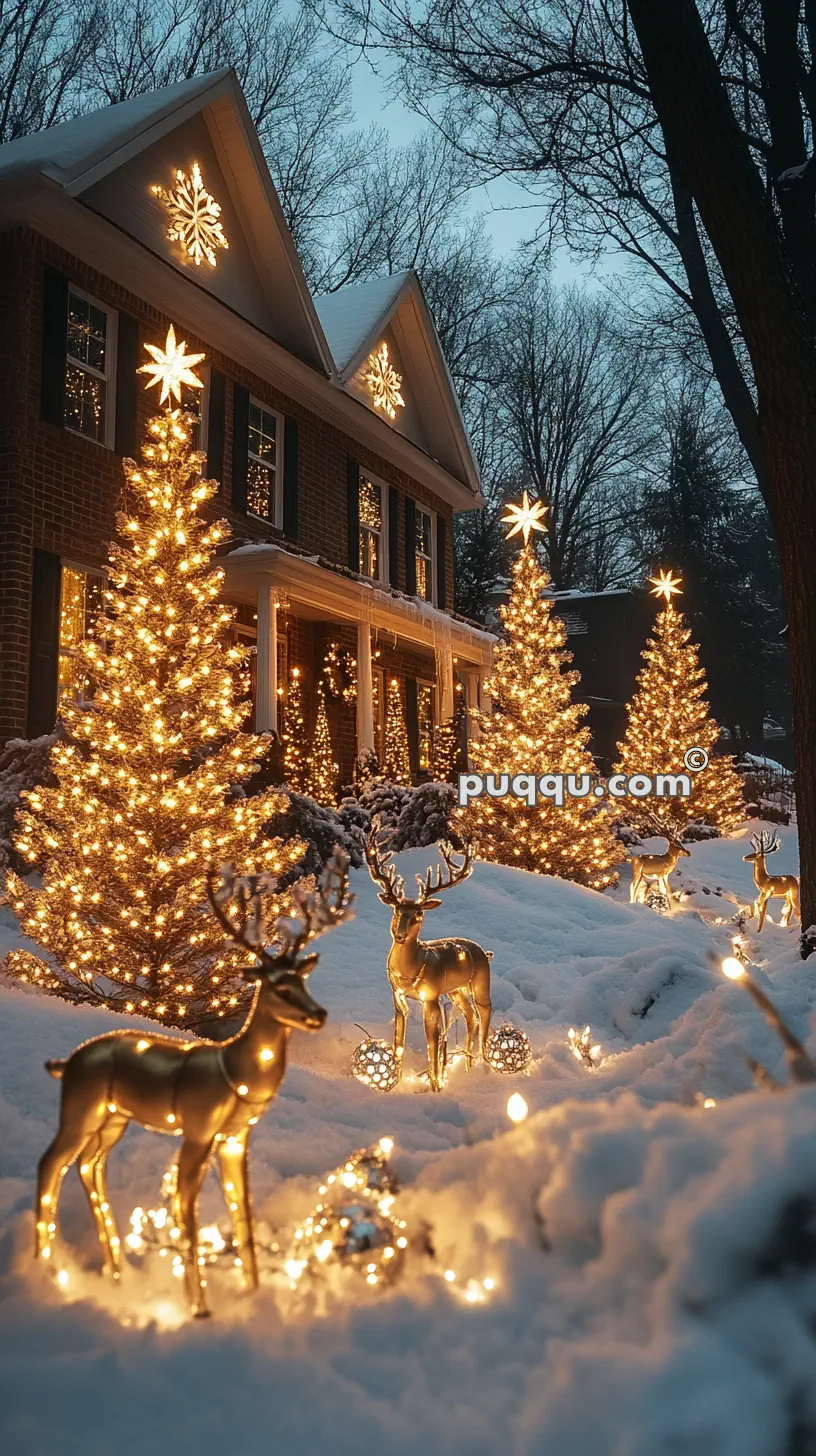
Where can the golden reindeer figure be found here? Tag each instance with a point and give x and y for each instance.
(426, 970)
(771, 887)
(211, 1094)
(655, 868)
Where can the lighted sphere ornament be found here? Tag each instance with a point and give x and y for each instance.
(375, 1064)
(508, 1050)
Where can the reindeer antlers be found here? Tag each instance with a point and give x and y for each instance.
(381, 867)
(766, 842)
(456, 872)
(316, 909)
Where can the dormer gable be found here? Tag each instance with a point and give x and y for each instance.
(387, 355)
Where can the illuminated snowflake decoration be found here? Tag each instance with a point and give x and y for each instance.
(384, 382)
(194, 217)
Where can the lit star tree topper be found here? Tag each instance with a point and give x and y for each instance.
(172, 367)
(666, 585)
(527, 517)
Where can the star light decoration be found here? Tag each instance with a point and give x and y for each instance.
(384, 382)
(194, 217)
(527, 517)
(171, 368)
(666, 585)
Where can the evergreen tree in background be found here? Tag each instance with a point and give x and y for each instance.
(145, 799)
(295, 757)
(397, 757)
(324, 773)
(667, 716)
(536, 728)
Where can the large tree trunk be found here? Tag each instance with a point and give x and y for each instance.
(701, 129)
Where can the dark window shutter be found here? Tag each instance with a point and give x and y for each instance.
(410, 547)
(216, 424)
(441, 562)
(290, 478)
(43, 662)
(353, 512)
(393, 535)
(127, 393)
(412, 723)
(55, 343)
(240, 446)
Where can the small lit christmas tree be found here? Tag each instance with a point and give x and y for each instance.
(324, 773)
(445, 751)
(146, 798)
(669, 715)
(295, 755)
(397, 757)
(535, 728)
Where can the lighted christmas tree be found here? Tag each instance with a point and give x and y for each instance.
(445, 751)
(536, 728)
(396, 757)
(295, 753)
(324, 773)
(669, 715)
(146, 798)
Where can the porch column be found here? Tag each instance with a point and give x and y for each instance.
(365, 690)
(472, 690)
(266, 687)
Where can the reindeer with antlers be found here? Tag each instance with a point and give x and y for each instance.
(655, 868)
(211, 1094)
(770, 887)
(426, 970)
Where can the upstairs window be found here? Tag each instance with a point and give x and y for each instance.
(372, 529)
(80, 605)
(424, 555)
(89, 368)
(263, 466)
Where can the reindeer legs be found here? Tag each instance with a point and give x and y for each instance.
(192, 1165)
(58, 1157)
(432, 1018)
(400, 1023)
(92, 1160)
(464, 1001)
(233, 1161)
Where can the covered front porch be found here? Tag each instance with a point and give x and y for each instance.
(293, 608)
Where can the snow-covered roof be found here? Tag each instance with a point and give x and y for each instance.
(353, 315)
(73, 147)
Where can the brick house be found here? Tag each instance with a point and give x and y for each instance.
(340, 480)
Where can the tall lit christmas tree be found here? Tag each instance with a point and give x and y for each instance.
(146, 799)
(396, 756)
(323, 775)
(669, 715)
(536, 728)
(295, 755)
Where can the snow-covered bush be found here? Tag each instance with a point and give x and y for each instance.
(412, 817)
(24, 764)
(321, 827)
(768, 789)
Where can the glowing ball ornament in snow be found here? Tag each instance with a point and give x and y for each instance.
(375, 1064)
(508, 1050)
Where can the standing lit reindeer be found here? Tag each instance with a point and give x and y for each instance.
(655, 868)
(770, 887)
(426, 970)
(211, 1094)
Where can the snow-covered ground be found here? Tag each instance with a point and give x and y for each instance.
(653, 1261)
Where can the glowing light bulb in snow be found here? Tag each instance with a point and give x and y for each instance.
(732, 968)
(517, 1108)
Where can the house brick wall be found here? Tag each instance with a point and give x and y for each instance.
(61, 492)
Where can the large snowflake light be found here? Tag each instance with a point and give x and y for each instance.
(384, 382)
(194, 217)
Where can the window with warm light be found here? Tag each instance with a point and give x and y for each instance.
(424, 554)
(194, 402)
(80, 605)
(89, 365)
(263, 467)
(372, 529)
(377, 700)
(426, 697)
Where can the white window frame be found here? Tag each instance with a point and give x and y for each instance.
(109, 376)
(276, 519)
(431, 600)
(383, 488)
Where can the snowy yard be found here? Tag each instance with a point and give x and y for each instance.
(651, 1259)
